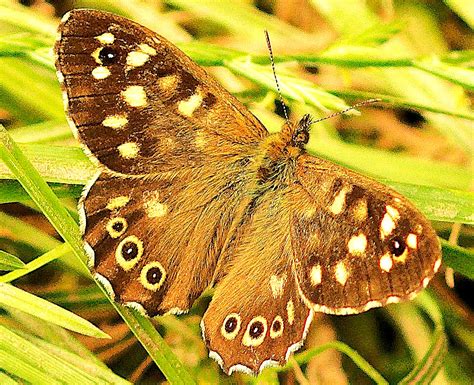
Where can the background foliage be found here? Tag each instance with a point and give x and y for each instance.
(58, 327)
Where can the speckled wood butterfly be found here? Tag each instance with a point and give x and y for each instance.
(194, 192)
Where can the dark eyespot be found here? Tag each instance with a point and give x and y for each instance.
(256, 329)
(276, 327)
(397, 246)
(118, 226)
(230, 324)
(108, 56)
(154, 275)
(129, 250)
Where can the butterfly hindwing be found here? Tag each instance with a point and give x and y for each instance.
(175, 223)
(256, 317)
(139, 104)
(357, 244)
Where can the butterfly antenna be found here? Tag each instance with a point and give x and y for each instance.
(353, 107)
(269, 45)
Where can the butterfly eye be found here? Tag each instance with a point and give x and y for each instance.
(397, 246)
(108, 56)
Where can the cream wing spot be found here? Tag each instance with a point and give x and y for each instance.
(135, 96)
(188, 106)
(168, 83)
(360, 210)
(412, 241)
(128, 252)
(388, 221)
(341, 273)
(128, 150)
(386, 262)
(290, 311)
(316, 275)
(357, 244)
(339, 201)
(116, 227)
(231, 326)
(106, 38)
(147, 49)
(276, 329)
(117, 202)
(152, 276)
(115, 121)
(276, 285)
(137, 58)
(153, 207)
(255, 332)
(100, 73)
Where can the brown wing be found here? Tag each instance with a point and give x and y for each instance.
(154, 243)
(138, 103)
(256, 317)
(357, 244)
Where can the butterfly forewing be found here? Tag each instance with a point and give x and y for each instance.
(139, 104)
(357, 244)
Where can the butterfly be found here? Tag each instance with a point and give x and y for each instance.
(193, 192)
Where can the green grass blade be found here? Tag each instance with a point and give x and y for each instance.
(27, 354)
(159, 350)
(10, 262)
(10, 296)
(426, 369)
(36, 263)
(457, 75)
(11, 191)
(464, 9)
(305, 357)
(438, 204)
(23, 369)
(292, 87)
(5, 379)
(459, 258)
(100, 373)
(68, 229)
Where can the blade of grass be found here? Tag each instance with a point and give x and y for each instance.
(101, 373)
(10, 296)
(36, 263)
(306, 356)
(56, 369)
(10, 262)
(426, 369)
(11, 191)
(33, 327)
(439, 204)
(5, 379)
(45, 199)
(459, 258)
